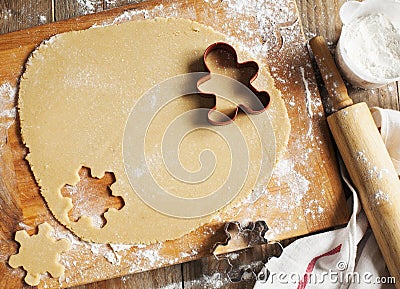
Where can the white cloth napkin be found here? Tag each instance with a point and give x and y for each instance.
(389, 123)
(343, 258)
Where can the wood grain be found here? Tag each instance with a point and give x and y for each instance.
(65, 9)
(168, 278)
(313, 16)
(112, 4)
(21, 14)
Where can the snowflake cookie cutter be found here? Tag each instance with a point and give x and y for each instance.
(228, 55)
(239, 238)
(39, 254)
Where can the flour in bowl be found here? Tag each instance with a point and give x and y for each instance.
(373, 45)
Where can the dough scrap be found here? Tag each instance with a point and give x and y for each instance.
(75, 97)
(36, 258)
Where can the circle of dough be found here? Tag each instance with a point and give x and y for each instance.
(74, 100)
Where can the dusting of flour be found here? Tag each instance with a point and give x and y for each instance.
(7, 109)
(88, 6)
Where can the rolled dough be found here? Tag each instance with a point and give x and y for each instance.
(76, 95)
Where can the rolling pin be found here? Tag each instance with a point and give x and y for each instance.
(366, 159)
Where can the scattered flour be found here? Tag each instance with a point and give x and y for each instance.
(24, 226)
(157, 11)
(88, 6)
(190, 254)
(298, 184)
(64, 234)
(269, 26)
(5, 14)
(314, 210)
(110, 2)
(42, 19)
(113, 258)
(381, 197)
(372, 170)
(7, 109)
(308, 93)
(309, 103)
(120, 247)
(7, 101)
(214, 281)
(149, 257)
(111, 252)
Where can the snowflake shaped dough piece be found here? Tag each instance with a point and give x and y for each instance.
(39, 254)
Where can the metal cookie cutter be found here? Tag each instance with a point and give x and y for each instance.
(238, 238)
(221, 59)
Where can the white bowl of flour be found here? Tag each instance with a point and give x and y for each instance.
(368, 51)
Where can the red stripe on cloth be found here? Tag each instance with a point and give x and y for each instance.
(303, 283)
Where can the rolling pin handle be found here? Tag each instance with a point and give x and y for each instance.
(333, 81)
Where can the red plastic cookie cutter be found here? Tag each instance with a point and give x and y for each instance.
(227, 53)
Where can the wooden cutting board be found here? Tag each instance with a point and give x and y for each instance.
(304, 196)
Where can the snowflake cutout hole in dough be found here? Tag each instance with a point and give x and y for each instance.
(39, 254)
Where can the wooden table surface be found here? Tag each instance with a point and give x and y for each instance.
(319, 17)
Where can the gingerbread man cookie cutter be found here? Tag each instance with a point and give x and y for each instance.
(223, 53)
